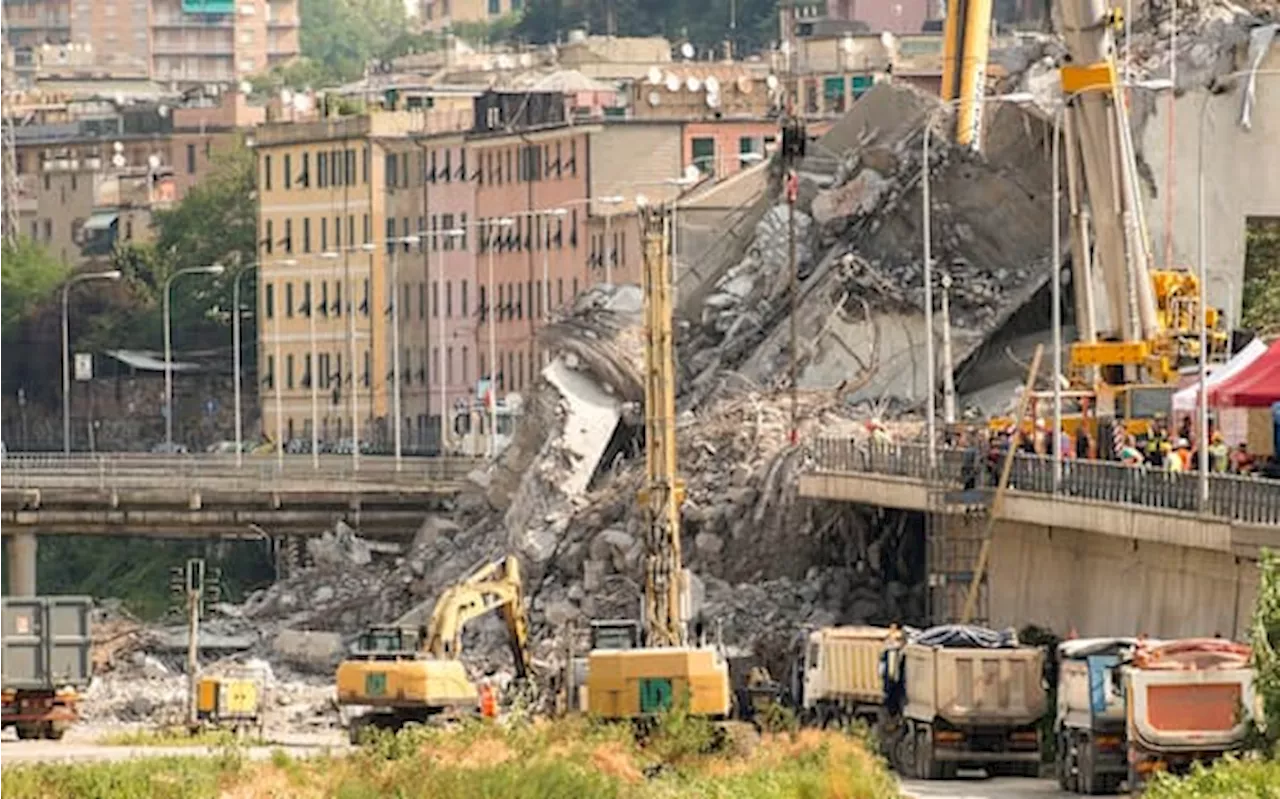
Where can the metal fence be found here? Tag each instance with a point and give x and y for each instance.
(1252, 500)
(257, 472)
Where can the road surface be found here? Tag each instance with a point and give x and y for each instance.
(83, 749)
(981, 788)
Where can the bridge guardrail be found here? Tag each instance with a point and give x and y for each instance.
(143, 470)
(1250, 500)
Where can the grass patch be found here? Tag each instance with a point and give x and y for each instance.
(179, 736)
(1229, 778)
(538, 759)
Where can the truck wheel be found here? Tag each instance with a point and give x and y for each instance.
(1064, 764)
(904, 751)
(54, 730)
(1088, 782)
(27, 732)
(926, 767)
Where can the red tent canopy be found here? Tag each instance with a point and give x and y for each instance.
(1255, 386)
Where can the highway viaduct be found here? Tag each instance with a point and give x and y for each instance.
(1109, 550)
(200, 496)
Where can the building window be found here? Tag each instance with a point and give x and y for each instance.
(422, 300)
(573, 230)
(462, 300)
(510, 172)
(435, 299)
(466, 366)
(324, 298)
(322, 168)
(704, 154)
(191, 159)
(288, 171)
(364, 300)
(305, 178)
(337, 302)
(448, 365)
(288, 300)
(269, 243)
(365, 166)
(270, 380)
(448, 299)
(266, 173)
(306, 234)
(288, 236)
(288, 372)
(389, 170)
(269, 301)
(573, 157)
(306, 299)
(495, 7)
(391, 235)
(462, 226)
(324, 234)
(364, 379)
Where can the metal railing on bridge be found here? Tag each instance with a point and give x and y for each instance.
(210, 471)
(1251, 500)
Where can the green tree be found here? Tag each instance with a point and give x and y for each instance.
(343, 35)
(1261, 298)
(30, 275)
(1265, 639)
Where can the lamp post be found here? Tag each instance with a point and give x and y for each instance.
(395, 340)
(450, 234)
(215, 269)
(501, 222)
(931, 400)
(113, 274)
(235, 347)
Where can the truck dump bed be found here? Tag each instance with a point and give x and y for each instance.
(1087, 698)
(1190, 696)
(977, 686)
(46, 643)
(847, 662)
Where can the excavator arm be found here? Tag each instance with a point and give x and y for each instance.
(495, 586)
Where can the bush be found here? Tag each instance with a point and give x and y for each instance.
(1229, 778)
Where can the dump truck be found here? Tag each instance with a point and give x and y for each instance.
(46, 663)
(839, 679)
(1089, 724)
(960, 696)
(1187, 701)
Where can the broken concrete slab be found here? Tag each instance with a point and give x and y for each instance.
(308, 649)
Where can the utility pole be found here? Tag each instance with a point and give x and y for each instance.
(793, 148)
(187, 585)
(8, 155)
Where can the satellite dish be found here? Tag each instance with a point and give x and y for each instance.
(744, 84)
(713, 100)
(153, 161)
(886, 38)
(672, 83)
(686, 50)
(846, 45)
(286, 97)
(118, 147)
(655, 99)
(713, 84)
(772, 82)
(246, 87)
(693, 84)
(117, 160)
(163, 111)
(641, 201)
(655, 76)
(692, 173)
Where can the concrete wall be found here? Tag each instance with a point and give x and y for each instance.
(1098, 585)
(1238, 179)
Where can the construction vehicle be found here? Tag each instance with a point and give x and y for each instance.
(638, 682)
(839, 678)
(964, 706)
(400, 673)
(1187, 701)
(46, 660)
(1092, 753)
(231, 700)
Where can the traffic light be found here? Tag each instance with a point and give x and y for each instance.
(195, 575)
(177, 582)
(213, 586)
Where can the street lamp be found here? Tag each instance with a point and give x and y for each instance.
(931, 400)
(395, 337)
(113, 274)
(215, 269)
(500, 222)
(235, 347)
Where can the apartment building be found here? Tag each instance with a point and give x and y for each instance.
(439, 15)
(183, 41)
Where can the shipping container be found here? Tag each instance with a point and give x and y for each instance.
(45, 660)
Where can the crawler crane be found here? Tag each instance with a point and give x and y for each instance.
(625, 681)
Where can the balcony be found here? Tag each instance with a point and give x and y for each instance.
(193, 49)
(190, 21)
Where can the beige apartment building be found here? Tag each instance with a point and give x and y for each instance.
(437, 15)
(181, 41)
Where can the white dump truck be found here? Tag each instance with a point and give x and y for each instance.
(1187, 701)
(969, 697)
(839, 678)
(1089, 724)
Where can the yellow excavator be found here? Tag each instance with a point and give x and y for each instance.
(636, 671)
(402, 673)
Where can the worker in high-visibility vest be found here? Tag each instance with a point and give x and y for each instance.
(488, 701)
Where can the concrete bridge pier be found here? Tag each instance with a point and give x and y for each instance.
(22, 564)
